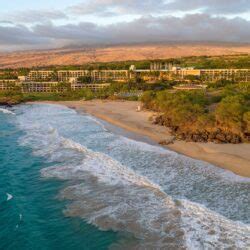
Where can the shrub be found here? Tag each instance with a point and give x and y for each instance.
(246, 120)
(229, 113)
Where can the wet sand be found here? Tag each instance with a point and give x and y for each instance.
(123, 114)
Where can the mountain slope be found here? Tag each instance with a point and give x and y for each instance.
(77, 56)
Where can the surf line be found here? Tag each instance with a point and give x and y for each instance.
(6, 111)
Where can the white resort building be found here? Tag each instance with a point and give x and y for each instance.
(51, 80)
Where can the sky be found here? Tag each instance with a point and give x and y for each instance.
(44, 24)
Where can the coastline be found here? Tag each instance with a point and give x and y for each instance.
(123, 114)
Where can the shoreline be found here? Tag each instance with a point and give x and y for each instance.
(123, 114)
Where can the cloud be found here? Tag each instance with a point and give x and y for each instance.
(125, 7)
(121, 7)
(195, 27)
(211, 6)
(5, 22)
(20, 37)
(35, 16)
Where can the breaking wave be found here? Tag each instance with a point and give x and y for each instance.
(6, 111)
(163, 199)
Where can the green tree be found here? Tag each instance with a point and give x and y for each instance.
(85, 79)
(229, 113)
(246, 120)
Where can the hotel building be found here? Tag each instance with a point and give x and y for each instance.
(49, 81)
(42, 87)
(92, 86)
(65, 75)
(209, 75)
(110, 75)
(41, 75)
(7, 84)
(237, 75)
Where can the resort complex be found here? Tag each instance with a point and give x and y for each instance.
(125, 125)
(55, 80)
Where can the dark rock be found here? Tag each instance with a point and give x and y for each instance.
(236, 139)
(229, 137)
(167, 141)
(211, 136)
(221, 137)
(217, 141)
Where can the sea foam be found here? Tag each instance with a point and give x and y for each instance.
(6, 111)
(164, 199)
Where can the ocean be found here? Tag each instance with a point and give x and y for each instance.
(69, 182)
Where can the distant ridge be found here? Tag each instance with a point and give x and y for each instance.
(77, 55)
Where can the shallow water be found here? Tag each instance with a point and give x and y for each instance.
(33, 218)
(162, 199)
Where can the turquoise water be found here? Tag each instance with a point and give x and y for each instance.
(75, 183)
(34, 218)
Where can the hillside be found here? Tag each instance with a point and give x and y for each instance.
(77, 56)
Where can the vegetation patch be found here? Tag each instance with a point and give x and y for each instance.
(221, 116)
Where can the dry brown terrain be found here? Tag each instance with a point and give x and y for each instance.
(115, 53)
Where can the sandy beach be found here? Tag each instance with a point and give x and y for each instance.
(123, 114)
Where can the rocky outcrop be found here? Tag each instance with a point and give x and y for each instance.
(8, 101)
(216, 135)
(167, 141)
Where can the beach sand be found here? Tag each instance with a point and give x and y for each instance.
(123, 114)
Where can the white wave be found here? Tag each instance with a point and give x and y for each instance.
(97, 122)
(154, 218)
(141, 146)
(9, 197)
(46, 141)
(123, 186)
(192, 225)
(6, 111)
(173, 158)
(208, 230)
(102, 166)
